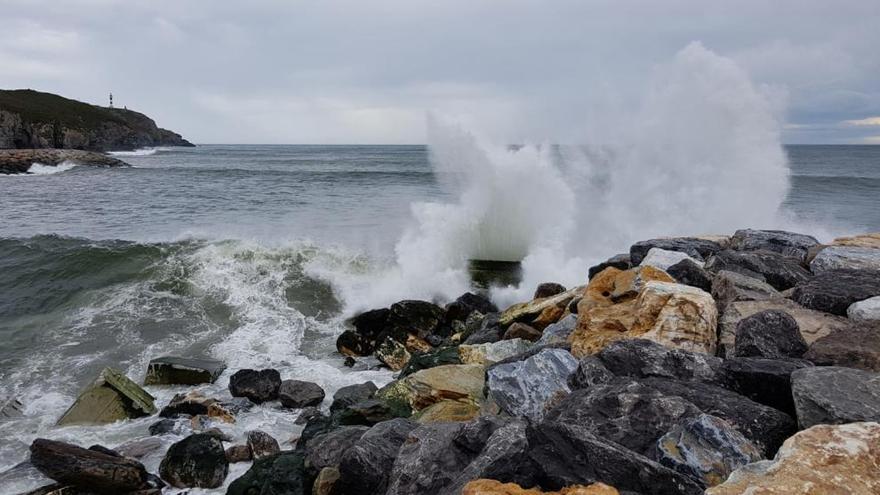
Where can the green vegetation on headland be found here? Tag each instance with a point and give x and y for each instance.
(31, 119)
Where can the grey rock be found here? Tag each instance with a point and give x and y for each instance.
(170, 370)
(619, 261)
(258, 386)
(699, 249)
(769, 334)
(765, 381)
(10, 409)
(867, 310)
(780, 271)
(197, 461)
(705, 448)
(365, 467)
(504, 457)
(528, 387)
(164, 426)
(558, 332)
(352, 394)
(729, 287)
(835, 395)
(640, 358)
(857, 346)
(280, 474)
(238, 453)
(833, 291)
(326, 450)
(485, 331)
(428, 460)
(853, 257)
(779, 241)
(297, 394)
(589, 373)
(262, 444)
(688, 272)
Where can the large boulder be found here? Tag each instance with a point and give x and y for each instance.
(428, 460)
(663, 259)
(261, 444)
(705, 448)
(852, 257)
(111, 397)
(672, 314)
(467, 303)
(351, 394)
(857, 346)
(280, 474)
(835, 395)
(867, 310)
(729, 287)
(786, 243)
(418, 318)
(823, 459)
(491, 353)
(462, 382)
(558, 332)
(364, 468)
(326, 450)
(528, 311)
(765, 381)
(689, 272)
(769, 334)
(297, 394)
(813, 324)
(640, 358)
(526, 388)
(833, 291)
(568, 454)
(780, 271)
(197, 461)
(87, 469)
(170, 370)
(431, 359)
(258, 386)
(694, 247)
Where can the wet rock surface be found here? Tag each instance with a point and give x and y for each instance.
(833, 291)
(835, 395)
(87, 468)
(769, 334)
(257, 385)
(197, 461)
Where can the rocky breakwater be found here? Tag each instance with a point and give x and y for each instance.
(724, 364)
(20, 161)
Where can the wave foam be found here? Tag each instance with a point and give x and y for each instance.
(140, 151)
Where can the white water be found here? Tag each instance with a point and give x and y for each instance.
(139, 152)
(40, 169)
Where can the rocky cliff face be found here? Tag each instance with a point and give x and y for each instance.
(30, 119)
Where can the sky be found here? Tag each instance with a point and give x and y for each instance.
(355, 71)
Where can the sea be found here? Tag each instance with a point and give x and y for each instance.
(256, 255)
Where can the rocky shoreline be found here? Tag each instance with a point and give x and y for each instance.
(722, 365)
(19, 161)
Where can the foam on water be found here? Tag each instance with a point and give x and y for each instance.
(139, 151)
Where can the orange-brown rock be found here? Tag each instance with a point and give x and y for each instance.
(864, 240)
(534, 310)
(493, 487)
(825, 459)
(613, 286)
(671, 314)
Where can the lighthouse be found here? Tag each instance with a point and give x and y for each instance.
(111, 99)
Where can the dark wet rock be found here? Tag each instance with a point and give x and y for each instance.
(366, 412)
(699, 249)
(352, 394)
(363, 363)
(765, 381)
(350, 343)
(474, 434)
(187, 404)
(572, 307)
(689, 273)
(431, 359)
(729, 287)
(392, 353)
(854, 257)
(258, 386)
(239, 453)
(197, 461)
(326, 450)
(297, 394)
(567, 454)
(528, 387)
(419, 318)
(170, 370)
(427, 460)
(315, 426)
(280, 474)
(164, 426)
(488, 330)
(769, 334)
(705, 448)
(111, 397)
(85, 468)
(857, 346)
(833, 291)
(503, 457)
(786, 243)
(779, 271)
(306, 414)
(370, 324)
(467, 303)
(262, 444)
(521, 331)
(548, 289)
(325, 482)
(589, 373)
(835, 395)
(619, 261)
(365, 467)
(558, 332)
(640, 358)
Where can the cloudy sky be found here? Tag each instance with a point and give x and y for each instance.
(355, 71)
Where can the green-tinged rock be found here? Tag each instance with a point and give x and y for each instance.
(170, 370)
(111, 397)
(392, 353)
(493, 352)
(462, 382)
(527, 310)
(280, 474)
(446, 411)
(439, 357)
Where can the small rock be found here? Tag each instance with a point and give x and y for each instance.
(522, 331)
(352, 394)
(262, 444)
(619, 261)
(437, 357)
(833, 291)
(461, 308)
(326, 450)
(558, 332)
(484, 331)
(730, 287)
(87, 469)
(834, 395)
(351, 344)
(589, 373)
(164, 426)
(192, 403)
(10, 408)
(689, 272)
(529, 310)
(297, 394)
(850, 257)
(527, 388)
(326, 481)
(548, 289)
(821, 460)
(183, 371)
(695, 247)
(780, 271)
(238, 453)
(111, 397)
(663, 259)
(867, 310)
(769, 334)
(488, 354)
(855, 347)
(462, 382)
(258, 386)
(392, 353)
(785, 243)
(197, 461)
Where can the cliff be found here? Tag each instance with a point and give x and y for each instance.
(31, 119)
